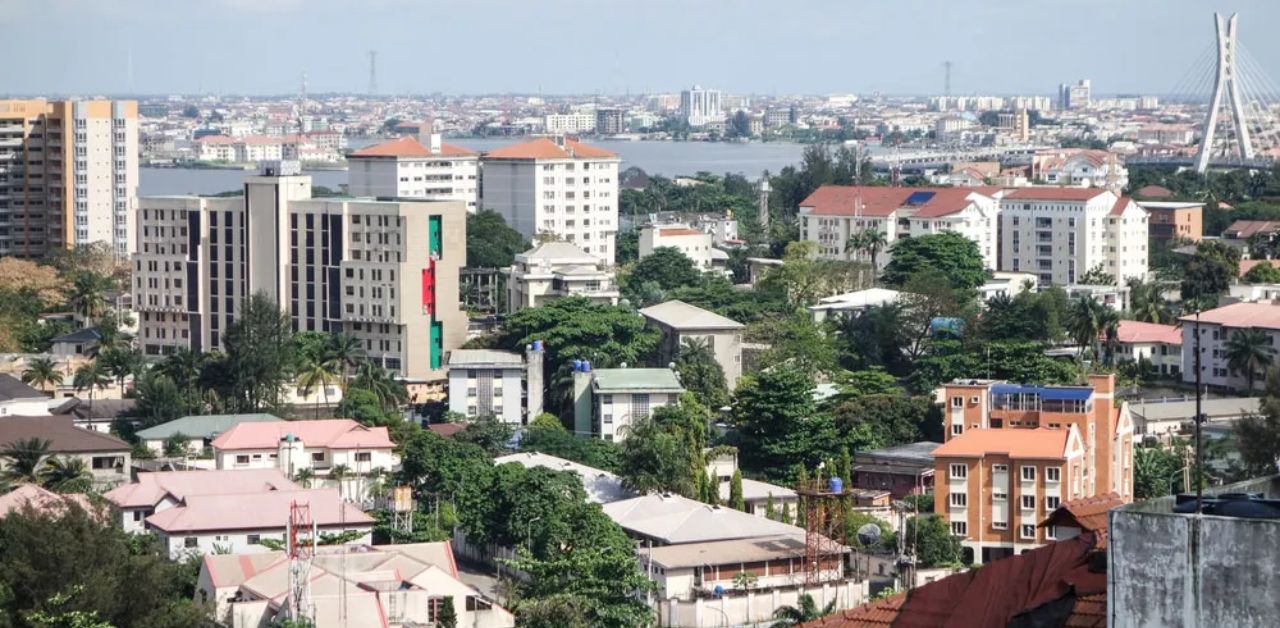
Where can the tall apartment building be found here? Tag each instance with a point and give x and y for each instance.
(68, 175)
(610, 121)
(570, 123)
(833, 213)
(1013, 452)
(1215, 328)
(409, 167)
(1061, 233)
(698, 106)
(383, 272)
(558, 187)
(1074, 96)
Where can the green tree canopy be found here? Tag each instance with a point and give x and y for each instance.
(667, 267)
(947, 254)
(260, 355)
(491, 243)
(928, 537)
(1263, 273)
(700, 373)
(779, 423)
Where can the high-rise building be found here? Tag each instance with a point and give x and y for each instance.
(699, 106)
(557, 187)
(1074, 96)
(68, 175)
(570, 123)
(425, 168)
(609, 121)
(1013, 453)
(385, 273)
(1059, 234)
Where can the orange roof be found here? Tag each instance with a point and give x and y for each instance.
(1122, 204)
(546, 148)
(407, 146)
(1154, 191)
(1038, 443)
(1260, 315)
(1054, 194)
(678, 231)
(1131, 332)
(1088, 513)
(880, 202)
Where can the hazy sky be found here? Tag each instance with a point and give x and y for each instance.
(606, 46)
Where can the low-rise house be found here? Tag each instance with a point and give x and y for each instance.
(902, 469)
(1007, 284)
(680, 322)
(82, 342)
(1165, 418)
(19, 399)
(197, 432)
(500, 384)
(162, 490)
(41, 500)
(106, 456)
(676, 520)
(98, 415)
(373, 586)
(756, 495)
(1159, 344)
(1114, 297)
(318, 445)
(602, 487)
(552, 270)
(696, 244)
(607, 401)
(1215, 328)
(851, 303)
(238, 522)
(1168, 219)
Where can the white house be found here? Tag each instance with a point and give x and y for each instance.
(607, 401)
(500, 384)
(19, 399)
(1080, 167)
(1159, 344)
(1215, 328)
(694, 243)
(162, 490)
(602, 487)
(851, 303)
(196, 432)
(552, 270)
(1061, 233)
(680, 322)
(318, 445)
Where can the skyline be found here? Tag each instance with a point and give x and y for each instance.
(190, 49)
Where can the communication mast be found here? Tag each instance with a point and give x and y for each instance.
(825, 502)
(302, 549)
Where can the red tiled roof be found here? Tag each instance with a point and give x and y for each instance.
(1054, 194)
(1154, 191)
(1260, 315)
(1088, 513)
(880, 202)
(546, 148)
(1122, 203)
(330, 433)
(447, 429)
(217, 139)
(1243, 229)
(407, 146)
(679, 232)
(1247, 265)
(1131, 332)
(1039, 443)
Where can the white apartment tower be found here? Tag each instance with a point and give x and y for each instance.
(423, 167)
(68, 175)
(383, 272)
(556, 187)
(1059, 234)
(698, 106)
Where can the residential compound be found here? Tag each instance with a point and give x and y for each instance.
(696, 244)
(1215, 328)
(1079, 167)
(607, 401)
(409, 167)
(1057, 233)
(384, 272)
(1170, 219)
(318, 445)
(500, 384)
(68, 175)
(681, 324)
(552, 270)
(558, 187)
(1013, 453)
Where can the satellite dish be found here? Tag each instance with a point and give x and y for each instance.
(869, 534)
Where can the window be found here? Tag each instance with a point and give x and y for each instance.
(364, 456)
(137, 515)
(1028, 502)
(957, 429)
(957, 402)
(999, 496)
(1028, 474)
(1051, 532)
(999, 468)
(476, 604)
(1053, 474)
(999, 525)
(959, 500)
(254, 538)
(959, 528)
(1027, 531)
(242, 459)
(959, 472)
(317, 457)
(608, 418)
(1051, 503)
(190, 542)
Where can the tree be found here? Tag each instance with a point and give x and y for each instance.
(304, 477)
(1209, 273)
(66, 474)
(667, 267)
(88, 569)
(26, 457)
(90, 376)
(928, 537)
(871, 241)
(488, 433)
(740, 124)
(448, 617)
(593, 452)
(800, 342)
(700, 372)
(260, 355)
(1249, 350)
(805, 610)
(347, 351)
(1096, 276)
(778, 423)
(318, 371)
(42, 283)
(664, 453)
(183, 368)
(391, 394)
(1147, 302)
(1262, 273)
(947, 254)
(43, 373)
(876, 421)
(1087, 319)
(736, 501)
(1154, 471)
(491, 243)
(159, 400)
(88, 296)
(626, 246)
(121, 361)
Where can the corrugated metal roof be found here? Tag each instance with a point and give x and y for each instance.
(639, 380)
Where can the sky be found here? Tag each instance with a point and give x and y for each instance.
(84, 47)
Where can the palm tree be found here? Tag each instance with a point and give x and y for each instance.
(805, 610)
(183, 367)
(87, 296)
(1147, 302)
(390, 393)
(304, 476)
(874, 241)
(44, 374)
(25, 458)
(319, 373)
(347, 351)
(1249, 350)
(1111, 332)
(854, 244)
(66, 474)
(90, 376)
(1085, 322)
(340, 473)
(121, 362)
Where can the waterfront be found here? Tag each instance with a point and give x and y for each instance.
(654, 157)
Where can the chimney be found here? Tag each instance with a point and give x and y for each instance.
(582, 406)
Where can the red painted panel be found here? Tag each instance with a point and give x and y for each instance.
(429, 288)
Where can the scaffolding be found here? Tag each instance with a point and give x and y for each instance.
(826, 506)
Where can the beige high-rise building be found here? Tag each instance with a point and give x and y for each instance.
(385, 273)
(68, 175)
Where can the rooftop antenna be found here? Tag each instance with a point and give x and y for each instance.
(302, 535)
(373, 72)
(946, 85)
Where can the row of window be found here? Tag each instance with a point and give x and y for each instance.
(960, 471)
(1027, 502)
(1025, 531)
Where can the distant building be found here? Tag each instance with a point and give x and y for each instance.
(694, 243)
(902, 469)
(90, 150)
(1168, 220)
(680, 322)
(1161, 345)
(851, 303)
(385, 273)
(569, 123)
(425, 168)
(1074, 96)
(699, 106)
(161, 490)
(557, 187)
(602, 487)
(106, 457)
(499, 384)
(608, 401)
(1215, 328)
(1080, 167)
(552, 270)
(610, 121)
(1061, 233)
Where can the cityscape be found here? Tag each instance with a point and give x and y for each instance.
(339, 332)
